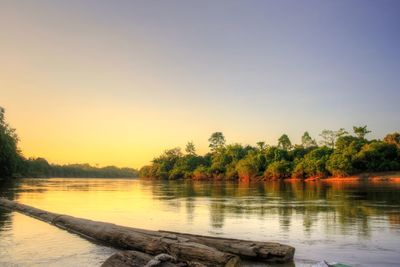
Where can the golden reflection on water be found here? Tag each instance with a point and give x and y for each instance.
(328, 220)
(156, 204)
(125, 202)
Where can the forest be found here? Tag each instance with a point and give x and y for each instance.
(338, 153)
(14, 164)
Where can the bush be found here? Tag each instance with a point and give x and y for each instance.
(201, 172)
(279, 170)
(377, 156)
(247, 168)
(340, 165)
(313, 163)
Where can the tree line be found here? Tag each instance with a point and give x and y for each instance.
(14, 164)
(338, 153)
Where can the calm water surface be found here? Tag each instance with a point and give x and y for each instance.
(355, 223)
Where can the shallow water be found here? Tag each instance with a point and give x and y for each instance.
(356, 223)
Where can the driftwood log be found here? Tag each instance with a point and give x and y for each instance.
(251, 250)
(194, 249)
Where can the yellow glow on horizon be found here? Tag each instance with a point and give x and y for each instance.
(77, 96)
(66, 127)
(75, 125)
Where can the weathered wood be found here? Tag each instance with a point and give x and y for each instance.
(209, 251)
(252, 250)
(129, 258)
(132, 258)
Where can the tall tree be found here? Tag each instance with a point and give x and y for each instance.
(284, 142)
(307, 141)
(261, 145)
(190, 148)
(361, 131)
(393, 138)
(217, 141)
(9, 154)
(341, 132)
(329, 137)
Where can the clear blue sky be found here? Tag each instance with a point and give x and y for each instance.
(132, 78)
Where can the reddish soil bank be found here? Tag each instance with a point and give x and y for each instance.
(393, 177)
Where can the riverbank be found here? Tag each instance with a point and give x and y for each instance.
(371, 177)
(392, 176)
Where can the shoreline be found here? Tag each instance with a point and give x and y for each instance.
(392, 176)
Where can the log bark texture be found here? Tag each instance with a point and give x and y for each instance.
(251, 250)
(202, 250)
(132, 258)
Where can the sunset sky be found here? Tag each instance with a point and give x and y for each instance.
(118, 82)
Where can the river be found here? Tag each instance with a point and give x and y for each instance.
(357, 223)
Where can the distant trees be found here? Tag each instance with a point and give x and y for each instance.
(393, 138)
(313, 164)
(284, 142)
(307, 141)
(190, 148)
(217, 141)
(279, 170)
(39, 167)
(329, 137)
(361, 131)
(249, 167)
(164, 164)
(261, 145)
(377, 156)
(340, 154)
(13, 164)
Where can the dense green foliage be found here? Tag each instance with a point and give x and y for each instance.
(10, 157)
(13, 164)
(39, 167)
(339, 154)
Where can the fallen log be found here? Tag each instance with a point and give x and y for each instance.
(245, 249)
(209, 251)
(251, 250)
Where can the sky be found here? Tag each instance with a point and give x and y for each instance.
(118, 82)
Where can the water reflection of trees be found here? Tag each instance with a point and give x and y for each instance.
(7, 190)
(75, 184)
(342, 206)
